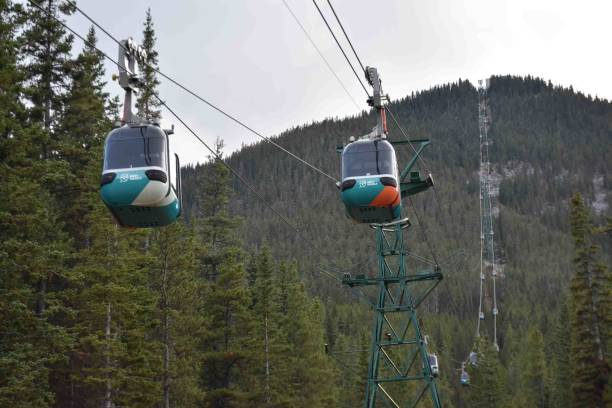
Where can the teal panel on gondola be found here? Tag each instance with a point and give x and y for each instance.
(124, 189)
(137, 216)
(363, 192)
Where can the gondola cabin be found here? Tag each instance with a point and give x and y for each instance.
(465, 378)
(370, 189)
(473, 358)
(137, 184)
(433, 364)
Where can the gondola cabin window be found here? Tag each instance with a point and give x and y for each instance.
(368, 159)
(140, 146)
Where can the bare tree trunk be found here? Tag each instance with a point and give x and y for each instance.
(109, 390)
(166, 325)
(596, 326)
(40, 301)
(108, 402)
(267, 358)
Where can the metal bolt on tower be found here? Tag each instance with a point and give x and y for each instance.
(399, 372)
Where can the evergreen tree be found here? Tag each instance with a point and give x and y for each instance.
(309, 379)
(46, 46)
(226, 355)
(33, 247)
(146, 103)
(267, 341)
(82, 130)
(33, 254)
(216, 226)
(533, 370)
(487, 378)
(114, 361)
(588, 321)
(45, 55)
(181, 321)
(225, 349)
(560, 365)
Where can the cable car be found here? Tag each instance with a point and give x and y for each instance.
(370, 189)
(473, 358)
(433, 363)
(465, 378)
(137, 183)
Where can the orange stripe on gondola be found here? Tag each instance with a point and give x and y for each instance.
(389, 196)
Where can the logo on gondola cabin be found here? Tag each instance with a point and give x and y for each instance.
(125, 177)
(365, 183)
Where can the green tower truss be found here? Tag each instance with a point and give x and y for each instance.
(399, 372)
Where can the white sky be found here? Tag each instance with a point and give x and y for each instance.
(250, 58)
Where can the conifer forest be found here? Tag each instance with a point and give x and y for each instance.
(240, 303)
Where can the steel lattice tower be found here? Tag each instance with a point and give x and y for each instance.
(399, 355)
(488, 267)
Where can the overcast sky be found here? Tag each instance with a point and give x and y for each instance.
(249, 57)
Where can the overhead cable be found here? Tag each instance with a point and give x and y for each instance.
(212, 151)
(295, 18)
(202, 99)
(341, 49)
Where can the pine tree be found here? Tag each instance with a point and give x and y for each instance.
(560, 366)
(114, 360)
(216, 226)
(12, 111)
(533, 368)
(265, 311)
(225, 348)
(46, 46)
(33, 253)
(82, 130)
(589, 291)
(146, 103)
(33, 248)
(181, 323)
(309, 379)
(487, 383)
(226, 355)
(45, 52)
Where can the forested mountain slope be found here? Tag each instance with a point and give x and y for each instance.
(228, 307)
(547, 143)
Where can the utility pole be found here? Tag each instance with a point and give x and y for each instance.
(399, 354)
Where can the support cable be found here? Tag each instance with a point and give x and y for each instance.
(356, 292)
(490, 219)
(247, 184)
(346, 366)
(403, 132)
(345, 35)
(363, 69)
(341, 49)
(423, 231)
(202, 99)
(405, 135)
(480, 276)
(422, 226)
(212, 151)
(295, 18)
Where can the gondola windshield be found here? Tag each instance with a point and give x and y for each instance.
(141, 146)
(367, 159)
